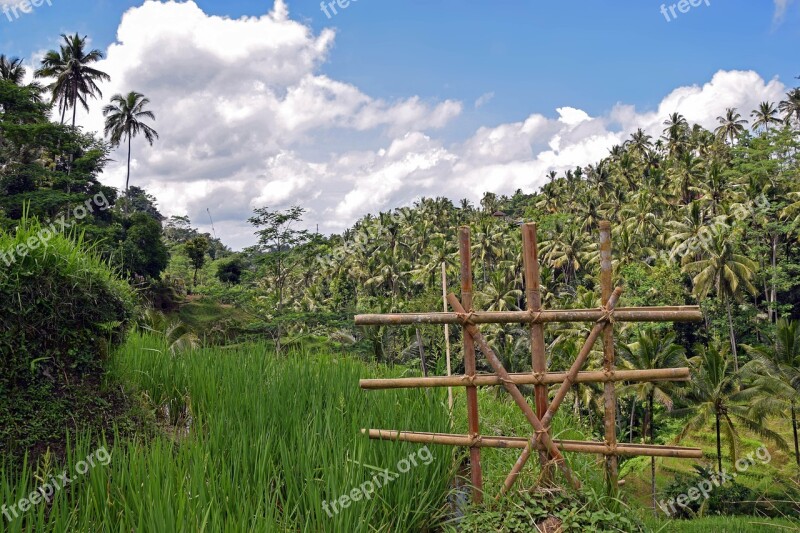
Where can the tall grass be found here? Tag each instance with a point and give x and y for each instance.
(270, 439)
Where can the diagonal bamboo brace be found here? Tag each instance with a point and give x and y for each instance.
(540, 428)
(566, 385)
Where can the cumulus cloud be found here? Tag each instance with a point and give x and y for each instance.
(246, 119)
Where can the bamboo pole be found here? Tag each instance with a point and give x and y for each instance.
(609, 392)
(465, 255)
(565, 386)
(447, 339)
(685, 313)
(550, 378)
(533, 303)
(622, 449)
(512, 389)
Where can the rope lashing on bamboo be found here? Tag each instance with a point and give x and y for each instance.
(469, 380)
(466, 318)
(475, 440)
(535, 316)
(608, 315)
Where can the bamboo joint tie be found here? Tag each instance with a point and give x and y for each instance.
(535, 316)
(608, 315)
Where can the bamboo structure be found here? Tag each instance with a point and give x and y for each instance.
(598, 448)
(541, 440)
(609, 392)
(533, 303)
(549, 378)
(685, 313)
(476, 473)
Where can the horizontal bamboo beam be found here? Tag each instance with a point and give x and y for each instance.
(599, 448)
(550, 378)
(686, 313)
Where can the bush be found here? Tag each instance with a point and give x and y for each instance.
(729, 498)
(548, 511)
(63, 309)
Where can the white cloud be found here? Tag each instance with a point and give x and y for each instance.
(781, 6)
(484, 99)
(246, 119)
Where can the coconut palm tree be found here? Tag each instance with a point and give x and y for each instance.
(125, 117)
(776, 369)
(723, 269)
(74, 80)
(716, 393)
(651, 351)
(791, 106)
(11, 69)
(765, 116)
(732, 125)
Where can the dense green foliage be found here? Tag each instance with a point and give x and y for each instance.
(63, 310)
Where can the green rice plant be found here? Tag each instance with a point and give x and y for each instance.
(268, 440)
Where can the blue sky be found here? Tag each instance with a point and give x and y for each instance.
(407, 75)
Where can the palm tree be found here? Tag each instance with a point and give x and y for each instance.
(11, 69)
(731, 125)
(715, 392)
(74, 79)
(776, 369)
(125, 120)
(765, 116)
(791, 106)
(651, 351)
(723, 269)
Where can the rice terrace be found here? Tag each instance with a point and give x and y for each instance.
(391, 267)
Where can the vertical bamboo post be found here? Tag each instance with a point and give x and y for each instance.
(465, 253)
(609, 393)
(533, 298)
(447, 338)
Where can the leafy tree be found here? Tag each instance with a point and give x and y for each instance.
(277, 236)
(196, 249)
(142, 249)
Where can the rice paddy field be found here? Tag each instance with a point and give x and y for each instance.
(250, 442)
(241, 440)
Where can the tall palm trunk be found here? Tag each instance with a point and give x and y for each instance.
(128, 177)
(773, 312)
(652, 459)
(732, 334)
(719, 445)
(794, 429)
(633, 418)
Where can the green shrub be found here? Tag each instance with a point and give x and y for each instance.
(548, 511)
(62, 310)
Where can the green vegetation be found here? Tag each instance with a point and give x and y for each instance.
(63, 311)
(250, 442)
(235, 406)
